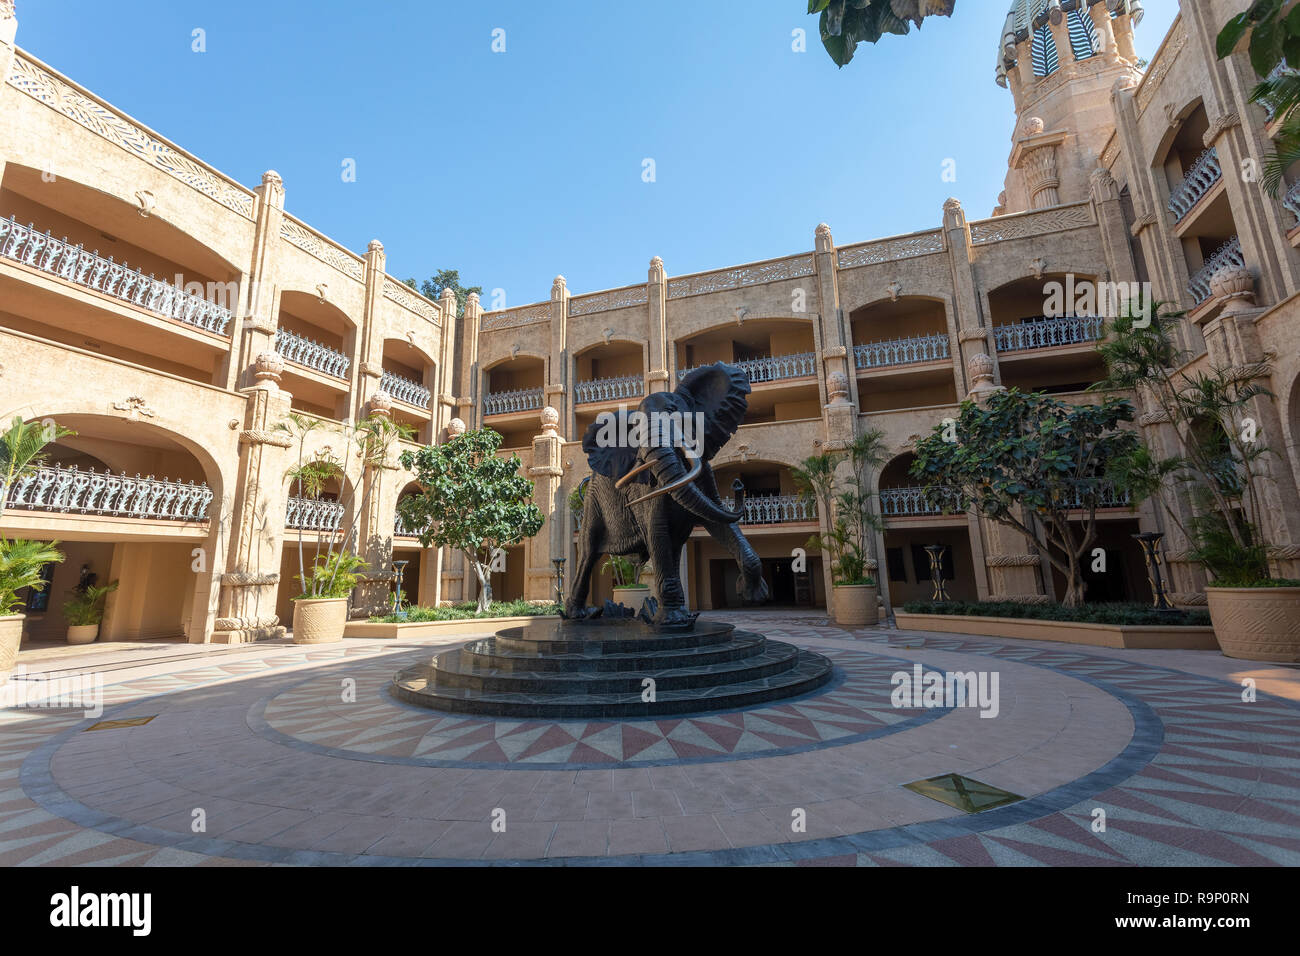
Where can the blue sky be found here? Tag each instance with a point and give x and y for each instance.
(515, 167)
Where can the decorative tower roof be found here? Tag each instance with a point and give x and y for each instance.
(1028, 19)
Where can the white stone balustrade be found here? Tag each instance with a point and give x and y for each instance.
(773, 369)
(914, 502)
(405, 390)
(518, 400)
(303, 351)
(1200, 179)
(313, 514)
(609, 389)
(399, 527)
(1046, 333)
(58, 257)
(902, 351)
(1228, 255)
(90, 492)
(778, 509)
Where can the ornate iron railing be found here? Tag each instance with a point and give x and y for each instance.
(58, 257)
(1292, 200)
(519, 400)
(777, 509)
(313, 514)
(405, 390)
(773, 369)
(303, 351)
(1108, 497)
(1227, 255)
(399, 527)
(66, 490)
(1269, 103)
(1200, 179)
(912, 502)
(904, 351)
(609, 389)
(1045, 333)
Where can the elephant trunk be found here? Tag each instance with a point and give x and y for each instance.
(670, 472)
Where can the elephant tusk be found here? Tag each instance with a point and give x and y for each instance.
(684, 480)
(633, 473)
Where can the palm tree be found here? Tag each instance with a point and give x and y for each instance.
(20, 567)
(22, 449)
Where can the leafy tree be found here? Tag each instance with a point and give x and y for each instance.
(431, 288)
(1026, 459)
(838, 484)
(470, 499)
(1271, 31)
(846, 23)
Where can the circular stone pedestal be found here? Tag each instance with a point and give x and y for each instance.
(599, 669)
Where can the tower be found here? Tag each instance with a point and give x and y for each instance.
(1061, 59)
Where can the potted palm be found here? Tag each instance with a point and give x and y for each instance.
(21, 563)
(85, 610)
(628, 589)
(1219, 471)
(320, 612)
(838, 485)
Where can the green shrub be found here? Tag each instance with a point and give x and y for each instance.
(1131, 615)
(20, 567)
(87, 607)
(468, 611)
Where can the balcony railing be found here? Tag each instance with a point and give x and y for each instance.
(58, 257)
(773, 369)
(778, 509)
(1108, 497)
(303, 351)
(904, 351)
(609, 389)
(914, 502)
(506, 403)
(1228, 255)
(1270, 105)
(1046, 333)
(1200, 179)
(405, 390)
(313, 514)
(90, 492)
(1292, 200)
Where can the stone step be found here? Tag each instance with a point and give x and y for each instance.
(488, 653)
(618, 636)
(452, 669)
(808, 672)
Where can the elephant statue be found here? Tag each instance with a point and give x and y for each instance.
(652, 485)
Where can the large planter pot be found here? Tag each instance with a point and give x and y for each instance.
(855, 605)
(1257, 624)
(83, 633)
(11, 635)
(319, 620)
(631, 597)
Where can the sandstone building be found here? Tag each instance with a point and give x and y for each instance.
(186, 315)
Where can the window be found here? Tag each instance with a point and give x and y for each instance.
(1083, 35)
(1044, 52)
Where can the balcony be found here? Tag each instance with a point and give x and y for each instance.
(508, 403)
(1204, 175)
(609, 389)
(58, 257)
(774, 369)
(905, 351)
(313, 514)
(1228, 255)
(405, 390)
(1270, 105)
(1292, 200)
(778, 509)
(918, 502)
(65, 490)
(1108, 497)
(1048, 332)
(301, 350)
(400, 529)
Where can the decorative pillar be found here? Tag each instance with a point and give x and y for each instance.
(661, 352)
(1035, 156)
(1113, 228)
(445, 388)
(253, 331)
(561, 376)
(246, 605)
(8, 49)
(1103, 23)
(454, 581)
(380, 488)
(547, 473)
(470, 402)
(368, 349)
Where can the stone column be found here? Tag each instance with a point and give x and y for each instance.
(547, 473)
(379, 483)
(1124, 41)
(445, 389)
(1114, 230)
(560, 381)
(661, 353)
(470, 401)
(368, 351)
(454, 567)
(968, 335)
(1103, 23)
(246, 605)
(253, 331)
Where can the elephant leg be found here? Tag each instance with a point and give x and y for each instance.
(751, 586)
(580, 583)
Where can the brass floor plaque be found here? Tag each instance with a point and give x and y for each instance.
(125, 722)
(963, 793)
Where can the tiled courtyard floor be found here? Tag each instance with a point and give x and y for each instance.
(299, 755)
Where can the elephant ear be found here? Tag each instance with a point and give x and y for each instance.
(612, 461)
(718, 393)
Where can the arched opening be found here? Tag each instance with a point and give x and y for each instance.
(779, 357)
(316, 340)
(1046, 330)
(605, 376)
(158, 297)
(513, 396)
(320, 510)
(410, 377)
(407, 547)
(128, 502)
(902, 345)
